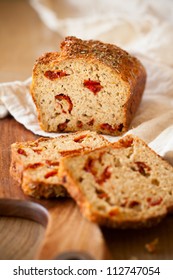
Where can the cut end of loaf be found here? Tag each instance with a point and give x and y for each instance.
(123, 185)
(88, 85)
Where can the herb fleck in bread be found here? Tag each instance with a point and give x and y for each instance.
(125, 184)
(35, 164)
(88, 85)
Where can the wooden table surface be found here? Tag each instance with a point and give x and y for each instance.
(23, 38)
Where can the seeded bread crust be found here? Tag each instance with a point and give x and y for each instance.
(35, 164)
(88, 85)
(123, 185)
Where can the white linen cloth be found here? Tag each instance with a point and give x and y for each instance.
(142, 27)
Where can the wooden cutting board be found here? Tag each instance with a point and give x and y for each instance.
(66, 229)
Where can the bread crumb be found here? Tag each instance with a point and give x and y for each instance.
(152, 246)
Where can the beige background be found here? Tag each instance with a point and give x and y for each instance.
(23, 38)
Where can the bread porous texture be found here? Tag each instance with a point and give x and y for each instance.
(125, 184)
(88, 85)
(35, 164)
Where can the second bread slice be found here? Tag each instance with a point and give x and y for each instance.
(125, 184)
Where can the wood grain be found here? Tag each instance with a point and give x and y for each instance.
(23, 38)
(19, 238)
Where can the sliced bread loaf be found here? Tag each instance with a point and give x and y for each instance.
(125, 184)
(88, 85)
(35, 164)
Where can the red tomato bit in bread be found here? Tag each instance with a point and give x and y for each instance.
(142, 167)
(38, 151)
(22, 152)
(63, 126)
(93, 86)
(52, 75)
(101, 194)
(154, 201)
(106, 126)
(79, 124)
(50, 174)
(91, 122)
(126, 143)
(34, 165)
(61, 97)
(89, 166)
(114, 212)
(52, 163)
(79, 139)
(104, 176)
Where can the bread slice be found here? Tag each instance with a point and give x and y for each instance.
(125, 184)
(88, 85)
(35, 164)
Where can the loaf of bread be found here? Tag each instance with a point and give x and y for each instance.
(87, 85)
(35, 164)
(125, 184)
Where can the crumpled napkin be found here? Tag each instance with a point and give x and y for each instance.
(142, 27)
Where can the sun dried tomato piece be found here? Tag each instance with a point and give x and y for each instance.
(61, 97)
(52, 163)
(142, 167)
(101, 194)
(38, 151)
(50, 174)
(93, 86)
(70, 152)
(79, 139)
(126, 143)
(79, 124)
(100, 157)
(104, 176)
(22, 152)
(106, 126)
(114, 212)
(63, 126)
(52, 75)
(91, 122)
(134, 203)
(34, 165)
(154, 201)
(89, 166)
